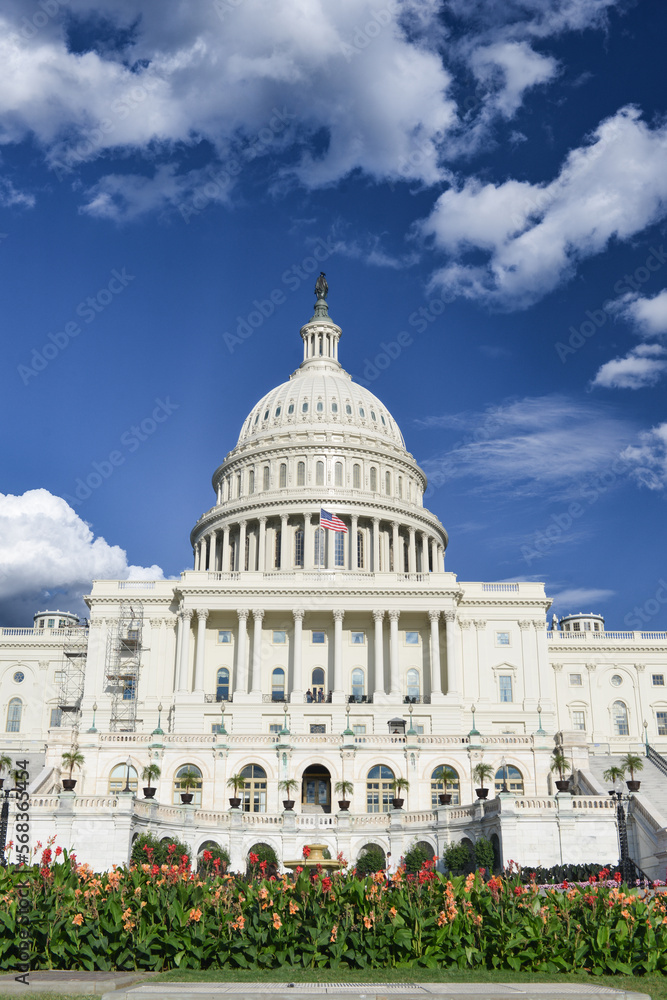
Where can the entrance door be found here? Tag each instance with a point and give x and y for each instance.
(316, 789)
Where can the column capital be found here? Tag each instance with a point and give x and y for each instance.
(394, 615)
(480, 624)
(524, 624)
(539, 626)
(298, 614)
(375, 520)
(263, 519)
(640, 667)
(338, 614)
(243, 614)
(186, 613)
(465, 622)
(202, 613)
(378, 615)
(449, 616)
(411, 529)
(258, 614)
(557, 667)
(284, 517)
(434, 614)
(591, 666)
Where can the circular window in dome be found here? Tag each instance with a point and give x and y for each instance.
(304, 406)
(616, 680)
(279, 410)
(348, 409)
(290, 409)
(19, 676)
(334, 407)
(320, 407)
(373, 417)
(362, 412)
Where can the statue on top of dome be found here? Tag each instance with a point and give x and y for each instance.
(321, 286)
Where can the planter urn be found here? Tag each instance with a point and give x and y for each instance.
(444, 798)
(69, 784)
(562, 785)
(235, 803)
(186, 798)
(149, 793)
(633, 786)
(397, 803)
(482, 793)
(288, 805)
(343, 805)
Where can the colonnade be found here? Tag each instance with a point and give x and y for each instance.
(247, 670)
(290, 542)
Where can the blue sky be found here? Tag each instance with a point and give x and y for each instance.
(489, 179)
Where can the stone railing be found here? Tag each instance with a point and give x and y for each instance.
(44, 633)
(592, 802)
(304, 821)
(607, 636)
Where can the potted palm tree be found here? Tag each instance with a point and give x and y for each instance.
(5, 765)
(237, 783)
(559, 765)
(71, 759)
(480, 773)
(289, 785)
(444, 776)
(399, 785)
(188, 779)
(613, 774)
(343, 788)
(632, 762)
(150, 773)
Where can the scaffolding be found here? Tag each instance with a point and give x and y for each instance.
(72, 676)
(123, 660)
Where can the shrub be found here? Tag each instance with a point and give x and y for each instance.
(484, 855)
(262, 860)
(207, 865)
(459, 858)
(370, 860)
(415, 858)
(161, 855)
(564, 873)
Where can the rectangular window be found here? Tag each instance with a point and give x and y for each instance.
(51, 622)
(216, 728)
(658, 680)
(279, 637)
(224, 636)
(419, 730)
(130, 690)
(59, 677)
(358, 638)
(662, 723)
(576, 627)
(579, 720)
(575, 680)
(56, 718)
(318, 638)
(62, 623)
(412, 638)
(505, 687)
(502, 638)
(275, 727)
(339, 549)
(361, 730)
(316, 728)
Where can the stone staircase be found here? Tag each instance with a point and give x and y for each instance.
(653, 782)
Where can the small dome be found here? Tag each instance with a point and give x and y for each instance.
(328, 400)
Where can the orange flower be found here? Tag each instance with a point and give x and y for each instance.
(293, 907)
(334, 933)
(195, 915)
(277, 922)
(241, 922)
(393, 911)
(78, 919)
(368, 923)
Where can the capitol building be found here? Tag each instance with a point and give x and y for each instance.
(321, 638)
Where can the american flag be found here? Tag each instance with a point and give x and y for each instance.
(330, 521)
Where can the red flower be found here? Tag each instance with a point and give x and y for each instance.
(306, 851)
(254, 858)
(171, 849)
(46, 856)
(216, 863)
(565, 883)
(299, 869)
(59, 851)
(184, 859)
(618, 877)
(207, 856)
(262, 866)
(326, 884)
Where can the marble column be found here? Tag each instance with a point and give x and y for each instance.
(393, 652)
(224, 558)
(241, 652)
(202, 615)
(354, 522)
(261, 553)
(256, 679)
(338, 614)
(284, 561)
(378, 659)
(184, 664)
(376, 545)
(436, 682)
(242, 535)
(213, 562)
(308, 543)
(424, 568)
(453, 641)
(398, 566)
(412, 552)
(297, 650)
(179, 645)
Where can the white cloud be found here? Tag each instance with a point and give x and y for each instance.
(47, 554)
(535, 234)
(649, 315)
(124, 197)
(580, 599)
(642, 366)
(519, 67)
(649, 458)
(529, 447)
(10, 196)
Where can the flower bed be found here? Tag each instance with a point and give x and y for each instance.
(168, 916)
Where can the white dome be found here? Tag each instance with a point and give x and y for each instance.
(314, 399)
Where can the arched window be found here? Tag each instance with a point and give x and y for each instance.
(360, 550)
(374, 479)
(14, 712)
(266, 477)
(301, 474)
(179, 786)
(278, 684)
(290, 409)
(118, 779)
(453, 786)
(251, 481)
(379, 792)
(412, 679)
(387, 483)
(400, 487)
(338, 474)
(298, 548)
(222, 685)
(339, 549)
(619, 716)
(319, 474)
(304, 406)
(319, 546)
(348, 409)
(356, 476)
(320, 406)
(283, 475)
(334, 406)
(317, 684)
(512, 776)
(239, 485)
(358, 684)
(254, 790)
